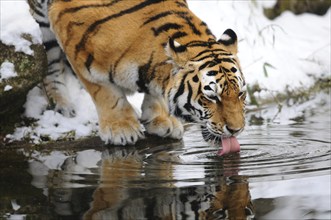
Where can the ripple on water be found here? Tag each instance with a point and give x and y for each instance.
(271, 149)
(262, 155)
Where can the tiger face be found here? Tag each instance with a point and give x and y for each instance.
(210, 86)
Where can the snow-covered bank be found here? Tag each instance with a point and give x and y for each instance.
(286, 53)
(16, 20)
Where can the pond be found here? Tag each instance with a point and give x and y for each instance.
(282, 172)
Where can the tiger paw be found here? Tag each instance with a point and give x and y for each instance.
(66, 110)
(121, 131)
(165, 127)
(178, 129)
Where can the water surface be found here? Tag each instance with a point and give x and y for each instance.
(282, 172)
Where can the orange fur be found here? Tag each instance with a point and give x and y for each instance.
(119, 47)
(115, 196)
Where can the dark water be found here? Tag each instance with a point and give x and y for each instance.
(282, 172)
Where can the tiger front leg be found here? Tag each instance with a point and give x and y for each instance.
(158, 121)
(118, 122)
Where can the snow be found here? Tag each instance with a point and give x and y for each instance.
(286, 53)
(296, 46)
(15, 20)
(7, 70)
(7, 88)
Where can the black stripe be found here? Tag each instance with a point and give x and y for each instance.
(55, 61)
(208, 64)
(225, 70)
(188, 106)
(43, 24)
(40, 13)
(212, 55)
(95, 25)
(203, 24)
(57, 82)
(181, 89)
(50, 44)
(188, 20)
(201, 53)
(121, 57)
(70, 30)
(113, 70)
(206, 51)
(178, 34)
(181, 4)
(166, 27)
(228, 60)
(201, 44)
(199, 88)
(205, 57)
(110, 75)
(165, 83)
(180, 14)
(89, 61)
(158, 16)
(116, 103)
(75, 9)
(207, 30)
(219, 79)
(52, 72)
(143, 72)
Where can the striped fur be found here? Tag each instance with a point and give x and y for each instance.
(115, 198)
(158, 47)
(54, 83)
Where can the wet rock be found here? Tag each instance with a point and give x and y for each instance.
(319, 7)
(30, 70)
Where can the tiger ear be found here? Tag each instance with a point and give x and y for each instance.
(229, 40)
(177, 52)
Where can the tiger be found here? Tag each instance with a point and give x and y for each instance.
(124, 193)
(157, 47)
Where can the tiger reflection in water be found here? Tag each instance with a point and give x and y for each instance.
(117, 197)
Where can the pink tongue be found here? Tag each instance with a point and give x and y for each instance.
(229, 145)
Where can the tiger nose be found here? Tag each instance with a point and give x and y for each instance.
(232, 131)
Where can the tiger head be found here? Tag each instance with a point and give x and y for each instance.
(209, 86)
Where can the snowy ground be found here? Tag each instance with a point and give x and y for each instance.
(286, 53)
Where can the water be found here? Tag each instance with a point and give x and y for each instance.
(282, 172)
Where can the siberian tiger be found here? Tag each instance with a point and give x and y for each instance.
(124, 193)
(159, 47)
